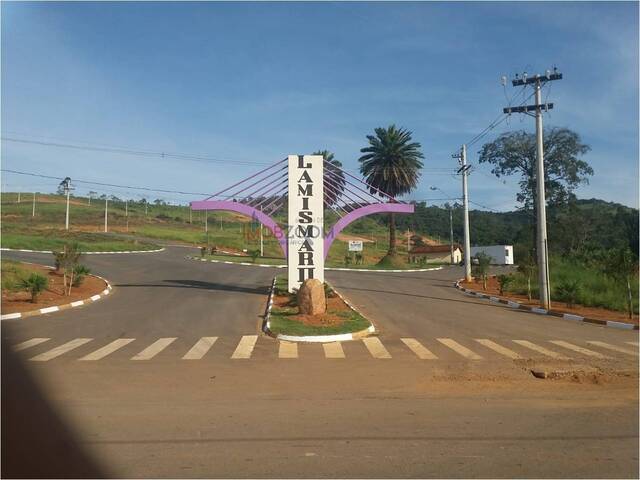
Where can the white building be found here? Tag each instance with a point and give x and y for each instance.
(500, 254)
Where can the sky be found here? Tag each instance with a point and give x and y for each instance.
(245, 84)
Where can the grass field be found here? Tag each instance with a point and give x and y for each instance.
(596, 288)
(163, 223)
(12, 273)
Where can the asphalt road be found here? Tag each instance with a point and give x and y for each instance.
(310, 416)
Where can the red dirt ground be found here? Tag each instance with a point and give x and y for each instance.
(589, 312)
(13, 302)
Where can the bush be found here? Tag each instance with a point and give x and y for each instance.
(504, 281)
(254, 254)
(203, 251)
(481, 270)
(79, 272)
(34, 284)
(347, 260)
(568, 292)
(328, 291)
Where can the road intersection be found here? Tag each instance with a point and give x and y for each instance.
(170, 377)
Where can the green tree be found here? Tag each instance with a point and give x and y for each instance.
(334, 176)
(514, 153)
(568, 291)
(504, 281)
(527, 267)
(481, 270)
(34, 284)
(622, 265)
(391, 163)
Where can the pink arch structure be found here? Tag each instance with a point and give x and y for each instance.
(349, 197)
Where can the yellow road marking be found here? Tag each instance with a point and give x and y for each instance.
(375, 347)
(60, 350)
(615, 348)
(576, 348)
(29, 343)
(245, 347)
(420, 350)
(154, 349)
(541, 350)
(200, 348)
(107, 349)
(462, 350)
(498, 348)
(333, 350)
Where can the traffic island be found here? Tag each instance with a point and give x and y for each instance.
(339, 322)
(18, 302)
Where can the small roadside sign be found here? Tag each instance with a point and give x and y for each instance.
(355, 245)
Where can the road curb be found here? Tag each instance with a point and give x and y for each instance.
(340, 337)
(542, 311)
(339, 269)
(84, 253)
(66, 306)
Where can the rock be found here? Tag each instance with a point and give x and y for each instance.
(311, 299)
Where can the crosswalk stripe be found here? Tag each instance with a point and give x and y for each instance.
(107, 349)
(333, 350)
(615, 348)
(376, 348)
(498, 348)
(60, 350)
(542, 350)
(635, 344)
(462, 350)
(288, 350)
(245, 347)
(576, 348)
(29, 343)
(200, 348)
(154, 349)
(420, 350)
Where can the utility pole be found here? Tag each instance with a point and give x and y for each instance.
(206, 221)
(106, 209)
(33, 209)
(408, 241)
(66, 185)
(18, 196)
(451, 231)
(464, 169)
(126, 212)
(541, 204)
(190, 212)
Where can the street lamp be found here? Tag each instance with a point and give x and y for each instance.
(450, 221)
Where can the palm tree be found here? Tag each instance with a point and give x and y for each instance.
(391, 163)
(333, 175)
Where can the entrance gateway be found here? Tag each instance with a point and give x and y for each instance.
(308, 190)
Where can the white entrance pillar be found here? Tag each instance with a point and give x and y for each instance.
(305, 234)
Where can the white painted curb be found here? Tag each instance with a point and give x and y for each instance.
(84, 253)
(338, 269)
(542, 311)
(66, 306)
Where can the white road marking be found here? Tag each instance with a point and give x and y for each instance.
(333, 350)
(288, 350)
(376, 348)
(60, 350)
(456, 347)
(635, 344)
(29, 343)
(201, 347)
(540, 349)
(498, 348)
(95, 297)
(49, 309)
(78, 303)
(416, 347)
(576, 348)
(245, 347)
(614, 348)
(107, 349)
(154, 349)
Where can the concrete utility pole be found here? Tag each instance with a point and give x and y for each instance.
(126, 212)
(541, 204)
(451, 231)
(33, 209)
(106, 209)
(66, 185)
(206, 221)
(464, 169)
(18, 196)
(190, 212)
